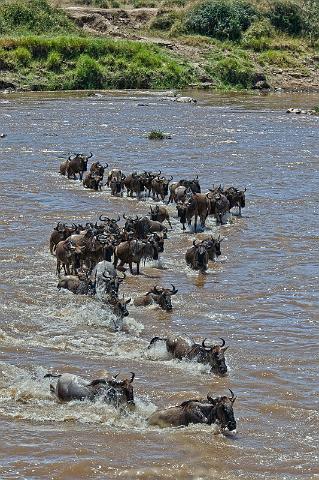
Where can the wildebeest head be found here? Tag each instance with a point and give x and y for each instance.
(119, 306)
(215, 357)
(224, 411)
(213, 247)
(182, 211)
(200, 256)
(162, 296)
(154, 213)
(123, 390)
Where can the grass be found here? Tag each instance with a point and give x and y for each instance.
(90, 63)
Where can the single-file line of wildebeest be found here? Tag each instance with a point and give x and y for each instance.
(191, 202)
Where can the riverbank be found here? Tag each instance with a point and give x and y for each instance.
(84, 47)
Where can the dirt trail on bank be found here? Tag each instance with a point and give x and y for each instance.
(132, 24)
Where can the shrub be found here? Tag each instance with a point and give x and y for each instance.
(258, 35)
(235, 71)
(156, 135)
(22, 56)
(54, 61)
(32, 16)
(287, 16)
(222, 19)
(88, 73)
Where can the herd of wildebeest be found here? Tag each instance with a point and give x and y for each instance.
(93, 256)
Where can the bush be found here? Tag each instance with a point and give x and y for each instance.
(54, 61)
(222, 19)
(235, 71)
(32, 16)
(156, 135)
(88, 73)
(258, 35)
(287, 16)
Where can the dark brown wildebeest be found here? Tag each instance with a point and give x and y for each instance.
(65, 256)
(160, 187)
(185, 348)
(160, 214)
(143, 226)
(115, 392)
(77, 164)
(236, 198)
(148, 177)
(218, 205)
(193, 185)
(60, 232)
(195, 206)
(212, 246)
(132, 251)
(134, 184)
(211, 411)
(98, 169)
(197, 256)
(159, 295)
(93, 181)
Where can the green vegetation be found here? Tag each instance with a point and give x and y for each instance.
(90, 63)
(222, 19)
(156, 135)
(229, 43)
(21, 17)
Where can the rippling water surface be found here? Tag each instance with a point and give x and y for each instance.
(261, 296)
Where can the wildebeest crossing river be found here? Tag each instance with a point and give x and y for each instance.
(261, 295)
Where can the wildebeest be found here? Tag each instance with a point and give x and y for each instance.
(211, 411)
(118, 307)
(106, 279)
(159, 214)
(218, 205)
(159, 295)
(197, 256)
(93, 181)
(132, 251)
(178, 190)
(160, 187)
(71, 387)
(143, 226)
(60, 232)
(185, 348)
(134, 184)
(98, 169)
(80, 285)
(235, 197)
(117, 184)
(65, 254)
(212, 246)
(76, 164)
(114, 173)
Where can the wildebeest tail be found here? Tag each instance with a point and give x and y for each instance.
(156, 339)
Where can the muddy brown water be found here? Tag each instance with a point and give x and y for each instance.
(261, 296)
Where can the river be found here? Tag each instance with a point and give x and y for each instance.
(261, 295)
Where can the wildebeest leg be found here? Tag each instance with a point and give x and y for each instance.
(137, 268)
(81, 175)
(239, 210)
(58, 267)
(131, 267)
(169, 222)
(115, 260)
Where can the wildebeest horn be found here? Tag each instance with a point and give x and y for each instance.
(223, 344)
(133, 376)
(115, 376)
(128, 301)
(194, 243)
(174, 291)
(105, 166)
(118, 219)
(205, 346)
(159, 173)
(91, 155)
(245, 189)
(171, 178)
(105, 278)
(233, 398)
(196, 178)
(136, 217)
(124, 216)
(102, 217)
